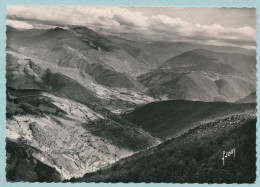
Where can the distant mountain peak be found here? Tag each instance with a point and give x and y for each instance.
(58, 29)
(84, 30)
(10, 28)
(201, 51)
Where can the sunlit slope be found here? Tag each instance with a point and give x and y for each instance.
(67, 135)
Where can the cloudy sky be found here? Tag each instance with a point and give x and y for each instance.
(216, 26)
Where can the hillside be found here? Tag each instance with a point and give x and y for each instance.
(111, 89)
(82, 103)
(163, 51)
(203, 75)
(114, 63)
(21, 166)
(167, 50)
(77, 46)
(87, 61)
(66, 135)
(248, 99)
(218, 62)
(195, 156)
(167, 119)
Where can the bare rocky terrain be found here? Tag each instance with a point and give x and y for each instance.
(64, 133)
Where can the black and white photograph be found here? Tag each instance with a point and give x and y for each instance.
(130, 94)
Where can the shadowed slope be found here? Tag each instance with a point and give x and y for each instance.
(193, 157)
(169, 118)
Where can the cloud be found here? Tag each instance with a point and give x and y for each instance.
(116, 20)
(165, 24)
(178, 29)
(167, 21)
(18, 24)
(102, 16)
